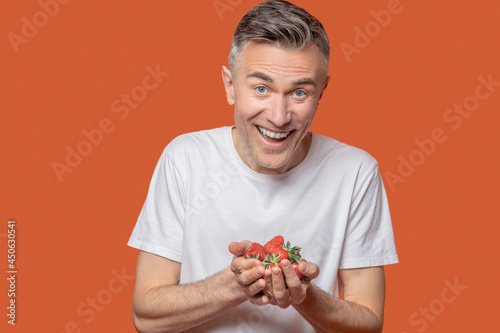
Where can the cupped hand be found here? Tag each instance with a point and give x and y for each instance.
(296, 289)
(248, 272)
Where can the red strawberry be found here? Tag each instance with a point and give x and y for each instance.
(273, 258)
(255, 251)
(283, 254)
(296, 267)
(277, 241)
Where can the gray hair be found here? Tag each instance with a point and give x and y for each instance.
(282, 24)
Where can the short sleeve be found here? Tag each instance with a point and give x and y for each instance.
(159, 228)
(369, 239)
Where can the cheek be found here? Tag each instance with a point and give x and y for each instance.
(306, 112)
(248, 107)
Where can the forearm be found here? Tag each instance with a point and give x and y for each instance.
(327, 313)
(173, 308)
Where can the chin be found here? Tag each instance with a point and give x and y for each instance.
(273, 163)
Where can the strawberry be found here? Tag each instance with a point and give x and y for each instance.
(296, 267)
(277, 241)
(273, 252)
(277, 251)
(255, 251)
(273, 258)
(281, 252)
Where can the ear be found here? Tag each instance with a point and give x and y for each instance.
(324, 87)
(227, 79)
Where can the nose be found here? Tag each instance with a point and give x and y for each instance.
(279, 113)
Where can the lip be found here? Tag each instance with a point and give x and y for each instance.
(272, 144)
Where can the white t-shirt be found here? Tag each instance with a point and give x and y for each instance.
(203, 196)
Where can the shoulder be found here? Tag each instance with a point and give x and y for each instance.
(197, 142)
(340, 154)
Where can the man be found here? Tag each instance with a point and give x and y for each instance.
(266, 176)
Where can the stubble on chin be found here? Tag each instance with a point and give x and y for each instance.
(271, 159)
(263, 160)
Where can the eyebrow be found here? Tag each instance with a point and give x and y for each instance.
(261, 76)
(269, 79)
(306, 80)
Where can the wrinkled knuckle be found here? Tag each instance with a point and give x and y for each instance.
(241, 281)
(252, 294)
(255, 289)
(294, 284)
(279, 294)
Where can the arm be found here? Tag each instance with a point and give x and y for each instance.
(161, 304)
(361, 310)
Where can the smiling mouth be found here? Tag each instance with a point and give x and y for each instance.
(279, 136)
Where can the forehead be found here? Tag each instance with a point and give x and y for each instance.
(281, 62)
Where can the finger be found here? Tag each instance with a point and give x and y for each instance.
(309, 270)
(250, 276)
(268, 291)
(279, 291)
(240, 264)
(239, 248)
(259, 300)
(256, 287)
(292, 279)
(296, 290)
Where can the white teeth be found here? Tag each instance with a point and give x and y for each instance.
(273, 135)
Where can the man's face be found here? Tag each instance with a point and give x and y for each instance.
(275, 94)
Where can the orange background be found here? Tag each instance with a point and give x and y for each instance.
(72, 234)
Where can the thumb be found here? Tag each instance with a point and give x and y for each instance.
(309, 269)
(239, 248)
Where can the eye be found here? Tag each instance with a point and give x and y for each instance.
(261, 90)
(299, 93)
